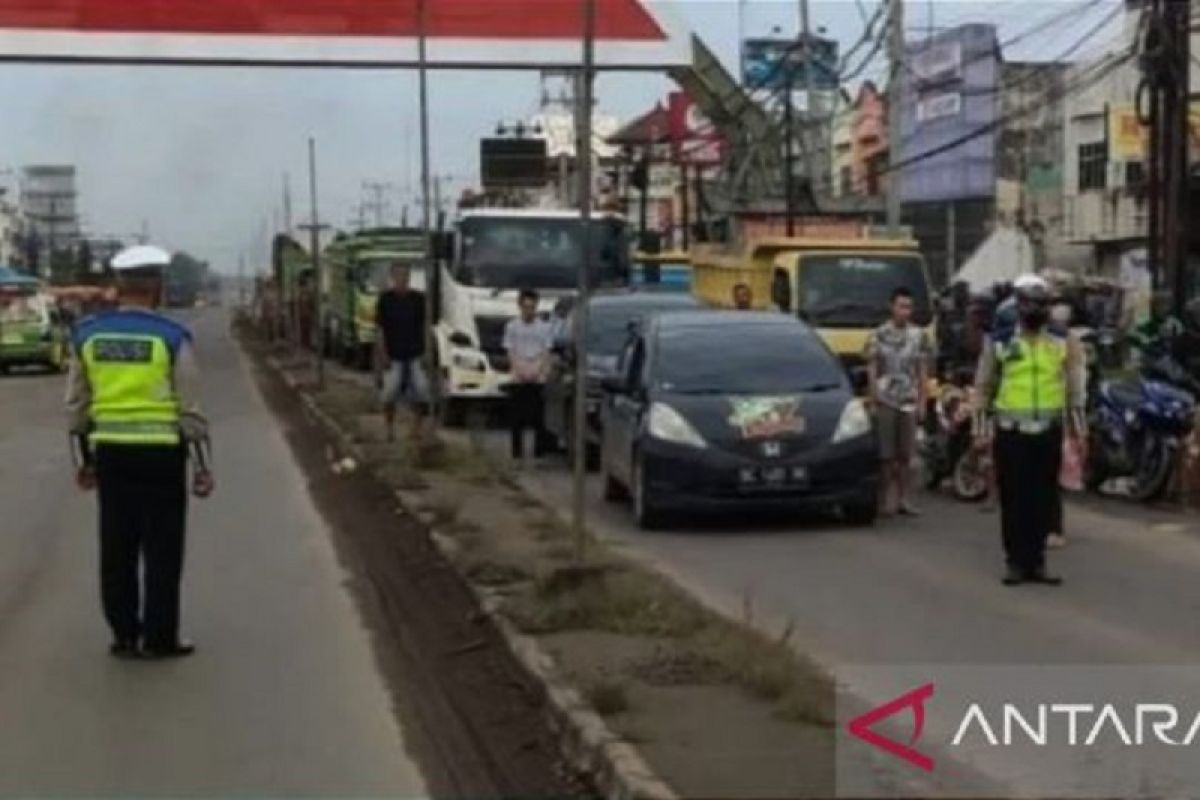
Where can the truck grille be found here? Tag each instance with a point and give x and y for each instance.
(491, 341)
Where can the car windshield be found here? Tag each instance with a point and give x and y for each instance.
(608, 324)
(744, 359)
(856, 290)
(541, 253)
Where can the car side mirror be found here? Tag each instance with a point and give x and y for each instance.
(614, 384)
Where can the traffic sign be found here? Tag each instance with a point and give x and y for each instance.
(538, 34)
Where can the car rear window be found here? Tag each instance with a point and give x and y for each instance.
(738, 358)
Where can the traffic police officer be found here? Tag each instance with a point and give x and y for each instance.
(1030, 383)
(134, 417)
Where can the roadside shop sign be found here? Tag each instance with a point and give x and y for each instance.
(513, 34)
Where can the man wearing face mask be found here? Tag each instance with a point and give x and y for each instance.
(1031, 382)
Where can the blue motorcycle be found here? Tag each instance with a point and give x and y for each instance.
(1136, 430)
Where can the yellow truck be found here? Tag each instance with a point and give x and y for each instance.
(842, 287)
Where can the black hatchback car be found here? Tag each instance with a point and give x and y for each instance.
(722, 409)
(610, 317)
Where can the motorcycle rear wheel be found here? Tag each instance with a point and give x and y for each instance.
(1154, 469)
(970, 476)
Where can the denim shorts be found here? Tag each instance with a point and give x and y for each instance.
(406, 383)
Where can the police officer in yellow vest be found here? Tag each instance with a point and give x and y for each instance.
(1030, 384)
(133, 413)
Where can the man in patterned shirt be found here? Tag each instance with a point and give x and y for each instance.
(898, 355)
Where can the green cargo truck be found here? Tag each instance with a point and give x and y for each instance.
(358, 267)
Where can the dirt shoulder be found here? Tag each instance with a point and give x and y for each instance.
(473, 718)
(712, 706)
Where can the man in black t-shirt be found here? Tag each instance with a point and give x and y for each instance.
(400, 333)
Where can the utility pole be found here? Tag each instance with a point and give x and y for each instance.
(287, 202)
(314, 228)
(895, 101)
(789, 152)
(432, 266)
(583, 152)
(809, 135)
(379, 204)
(1167, 68)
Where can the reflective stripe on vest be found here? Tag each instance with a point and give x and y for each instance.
(133, 395)
(1033, 379)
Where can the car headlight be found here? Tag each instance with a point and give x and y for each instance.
(854, 422)
(669, 425)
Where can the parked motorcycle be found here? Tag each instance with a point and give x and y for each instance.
(945, 450)
(1136, 430)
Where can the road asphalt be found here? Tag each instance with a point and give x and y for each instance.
(283, 698)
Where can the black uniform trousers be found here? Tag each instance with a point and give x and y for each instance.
(526, 409)
(1027, 467)
(143, 514)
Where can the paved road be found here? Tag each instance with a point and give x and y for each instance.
(283, 699)
(928, 590)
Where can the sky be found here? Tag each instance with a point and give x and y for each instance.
(199, 155)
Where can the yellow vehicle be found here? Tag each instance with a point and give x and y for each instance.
(843, 288)
(671, 271)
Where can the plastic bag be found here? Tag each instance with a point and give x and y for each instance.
(1070, 475)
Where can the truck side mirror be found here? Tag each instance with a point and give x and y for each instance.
(442, 245)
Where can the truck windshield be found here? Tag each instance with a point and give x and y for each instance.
(19, 308)
(855, 290)
(540, 253)
(375, 275)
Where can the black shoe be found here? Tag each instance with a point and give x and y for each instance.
(1040, 575)
(177, 650)
(125, 649)
(1013, 577)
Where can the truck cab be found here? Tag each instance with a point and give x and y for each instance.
(841, 287)
(485, 262)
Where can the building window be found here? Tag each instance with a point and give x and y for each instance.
(1093, 166)
(1135, 175)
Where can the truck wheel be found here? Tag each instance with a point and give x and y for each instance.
(453, 413)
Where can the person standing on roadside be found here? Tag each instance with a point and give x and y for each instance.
(898, 356)
(1027, 384)
(528, 341)
(399, 353)
(743, 297)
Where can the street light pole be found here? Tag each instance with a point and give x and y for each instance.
(318, 276)
(431, 263)
(895, 110)
(583, 151)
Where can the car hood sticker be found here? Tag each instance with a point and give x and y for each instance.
(764, 417)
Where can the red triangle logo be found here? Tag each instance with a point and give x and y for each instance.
(617, 20)
(863, 727)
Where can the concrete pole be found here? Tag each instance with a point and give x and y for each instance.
(583, 152)
(431, 263)
(809, 136)
(318, 276)
(894, 115)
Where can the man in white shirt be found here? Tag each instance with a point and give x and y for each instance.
(528, 341)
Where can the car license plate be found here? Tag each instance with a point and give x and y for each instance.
(777, 477)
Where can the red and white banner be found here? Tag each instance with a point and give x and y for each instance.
(694, 139)
(631, 34)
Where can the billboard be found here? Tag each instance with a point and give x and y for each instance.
(694, 139)
(772, 63)
(949, 106)
(1129, 139)
(513, 163)
(631, 34)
